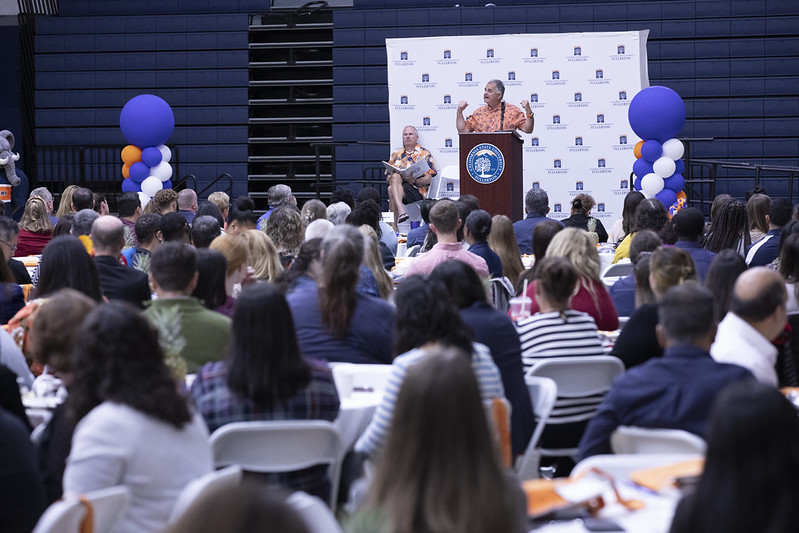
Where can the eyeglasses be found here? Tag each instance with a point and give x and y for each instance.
(13, 248)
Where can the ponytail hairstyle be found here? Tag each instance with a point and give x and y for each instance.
(582, 204)
(670, 266)
(557, 279)
(342, 253)
(479, 225)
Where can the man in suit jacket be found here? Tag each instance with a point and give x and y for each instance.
(119, 282)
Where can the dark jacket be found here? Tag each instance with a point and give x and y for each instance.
(120, 282)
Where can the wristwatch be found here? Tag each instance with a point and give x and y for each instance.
(530, 114)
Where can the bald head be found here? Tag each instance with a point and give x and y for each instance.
(759, 298)
(187, 200)
(108, 236)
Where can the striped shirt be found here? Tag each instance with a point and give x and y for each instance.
(549, 335)
(488, 380)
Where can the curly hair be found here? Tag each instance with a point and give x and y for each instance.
(284, 226)
(650, 214)
(35, 218)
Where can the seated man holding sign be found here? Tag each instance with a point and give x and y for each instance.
(496, 115)
(409, 171)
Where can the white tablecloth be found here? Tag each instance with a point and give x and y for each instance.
(355, 414)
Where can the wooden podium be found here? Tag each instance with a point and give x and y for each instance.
(505, 196)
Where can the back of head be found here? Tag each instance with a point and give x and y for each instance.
(343, 195)
(342, 254)
(83, 221)
(650, 214)
(685, 313)
(262, 255)
(279, 194)
(471, 200)
(757, 295)
(582, 204)
(147, 227)
(366, 212)
(285, 228)
(234, 248)
(317, 229)
(35, 218)
(164, 199)
(57, 322)
(462, 282)
(579, 249)
(65, 263)
(368, 193)
(717, 204)
(313, 210)
(558, 279)
(689, 223)
(210, 209)
(536, 201)
(173, 266)
(670, 266)
(444, 217)
(789, 258)
(8, 228)
(631, 202)
(65, 203)
(127, 203)
(43, 193)
(543, 233)
(478, 223)
(220, 199)
(338, 212)
(83, 199)
(174, 227)
(64, 225)
(212, 272)
(204, 230)
(644, 241)
(730, 227)
(779, 211)
(108, 235)
(187, 198)
(756, 210)
(243, 211)
(720, 279)
(424, 209)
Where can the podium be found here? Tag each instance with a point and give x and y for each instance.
(491, 170)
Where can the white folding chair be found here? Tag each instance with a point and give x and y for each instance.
(350, 378)
(581, 381)
(316, 515)
(227, 478)
(66, 516)
(618, 270)
(620, 466)
(640, 440)
(543, 393)
(281, 446)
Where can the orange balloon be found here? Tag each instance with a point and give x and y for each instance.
(126, 171)
(131, 154)
(637, 149)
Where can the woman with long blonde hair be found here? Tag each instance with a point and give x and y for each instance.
(264, 258)
(35, 228)
(591, 297)
(502, 241)
(65, 203)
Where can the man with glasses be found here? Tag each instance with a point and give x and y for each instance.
(9, 235)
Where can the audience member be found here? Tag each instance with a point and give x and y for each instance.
(237, 264)
(266, 378)
(407, 189)
(536, 206)
(47, 197)
(476, 232)
(279, 195)
(175, 228)
(750, 479)
(64, 225)
(756, 210)
(337, 212)
(440, 470)
(386, 233)
(9, 236)
(650, 214)
(12, 298)
(204, 333)
(165, 201)
(624, 226)
(623, 291)
(426, 317)
(757, 315)
(212, 273)
(100, 204)
(65, 263)
(35, 228)
(204, 230)
(343, 195)
(464, 210)
(126, 405)
(149, 236)
(729, 229)
(637, 342)
(221, 201)
(210, 209)
(187, 204)
(444, 222)
(689, 223)
(789, 269)
(82, 198)
(313, 210)
(581, 218)
(129, 207)
(592, 297)
(721, 276)
(305, 268)
(502, 241)
(383, 283)
(768, 248)
(494, 329)
(82, 223)
(416, 236)
(334, 321)
(118, 282)
(317, 229)
(367, 212)
(542, 236)
(287, 232)
(20, 485)
(675, 391)
(263, 256)
(65, 203)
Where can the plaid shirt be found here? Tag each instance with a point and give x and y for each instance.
(318, 401)
(489, 119)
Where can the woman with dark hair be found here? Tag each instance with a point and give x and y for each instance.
(494, 329)
(650, 214)
(789, 268)
(623, 226)
(750, 480)
(266, 378)
(426, 317)
(756, 211)
(543, 233)
(212, 270)
(64, 225)
(581, 218)
(367, 212)
(333, 320)
(720, 280)
(65, 263)
(35, 228)
(729, 229)
(133, 426)
(476, 231)
(210, 209)
(440, 470)
(623, 292)
(502, 241)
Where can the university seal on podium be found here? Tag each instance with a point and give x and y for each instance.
(485, 163)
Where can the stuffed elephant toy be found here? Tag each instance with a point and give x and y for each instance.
(8, 158)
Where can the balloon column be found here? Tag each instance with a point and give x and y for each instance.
(146, 122)
(657, 114)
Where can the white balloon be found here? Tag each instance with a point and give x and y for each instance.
(151, 185)
(664, 167)
(673, 149)
(651, 184)
(166, 153)
(144, 199)
(162, 171)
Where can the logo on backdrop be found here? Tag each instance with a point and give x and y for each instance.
(467, 81)
(403, 60)
(620, 54)
(404, 104)
(512, 81)
(489, 58)
(578, 101)
(447, 58)
(425, 83)
(534, 146)
(601, 167)
(485, 163)
(557, 167)
(577, 55)
(557, 124)
(601, 123)
(599, 78)
(427, 125)
(622, 100)
(579, 145)
(535, 101)
(623, 145)
(534, 57)
(556, 79)
(448, 147)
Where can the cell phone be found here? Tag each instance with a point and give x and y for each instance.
(601, 524)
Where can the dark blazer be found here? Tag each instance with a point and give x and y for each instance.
(19, 271)
(20, 486)
(120, 282)
(492, 259)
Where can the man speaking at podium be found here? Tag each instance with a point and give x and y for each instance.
(496, 115)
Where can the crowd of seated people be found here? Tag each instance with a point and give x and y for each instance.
(124, 307)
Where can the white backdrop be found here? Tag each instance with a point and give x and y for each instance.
(580, 86)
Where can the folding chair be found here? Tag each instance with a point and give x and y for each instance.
(220, 480)
(633, 439)
(543, 393)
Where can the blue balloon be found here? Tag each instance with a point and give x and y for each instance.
(651, 150)
(675, 182)
(146, 120)
(656, 113)
(168, 184)
(680, 164)
(642, 167)
(129, 185)
(151, 156)
(139, 172)
(637, 184)
(666, 197)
